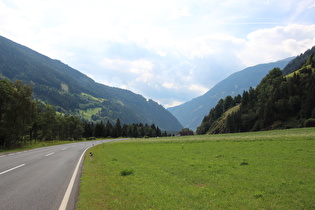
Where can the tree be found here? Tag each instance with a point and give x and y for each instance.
(186, 131)
(134, 131)
(108, 129)
(228, 103)
(158, 131)
(118, 128)
(17, 113)
(75, 127)
(46, 120)
(153, 131)
(100, 129)
(88, 129)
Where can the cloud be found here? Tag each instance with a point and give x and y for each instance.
(270, 44)
(140, 70)
(169, 85)
(195, 65)
(168, 50)
(198, 88)
(178, 13)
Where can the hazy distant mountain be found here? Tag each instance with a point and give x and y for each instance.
(191, 113)
(72, 92)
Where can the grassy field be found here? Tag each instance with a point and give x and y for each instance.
(262, 170)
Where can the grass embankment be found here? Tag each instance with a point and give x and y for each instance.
(262, 170)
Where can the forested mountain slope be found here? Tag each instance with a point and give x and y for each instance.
(191, 113)
(279, 101)
(298, 62)
(74, 93)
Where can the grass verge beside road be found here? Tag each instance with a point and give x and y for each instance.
(35, 145)
(268, 170)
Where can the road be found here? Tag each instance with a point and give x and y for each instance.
(39, 178)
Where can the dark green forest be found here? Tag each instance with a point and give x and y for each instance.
(24, 120)
(279, 101)
(298, 62)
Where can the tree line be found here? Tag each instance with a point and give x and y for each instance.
(24, 120)
(136, 130)
(277, 102)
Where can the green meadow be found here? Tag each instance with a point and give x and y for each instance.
(260, 170)
(87, 114)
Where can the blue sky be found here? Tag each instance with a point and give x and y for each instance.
(167, 50)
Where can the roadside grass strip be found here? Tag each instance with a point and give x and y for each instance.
(261, 170)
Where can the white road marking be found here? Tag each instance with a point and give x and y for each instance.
(64, 148)
(65, 200)
(49, 154)
(11, 169)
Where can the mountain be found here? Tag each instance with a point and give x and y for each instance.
(72, 92)
(279, 101)
(191, 113)
(298, 62)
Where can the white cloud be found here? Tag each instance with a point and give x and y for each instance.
(172, 103)
(208, 45)
(198, 88)
(140, 70)
(167, 50)
(275, 43)
(178, 13)
(169, 85)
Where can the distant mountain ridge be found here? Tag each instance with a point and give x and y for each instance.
(191, 113)
(72, 92)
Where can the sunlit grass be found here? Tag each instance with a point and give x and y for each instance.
(87, 114)
(93, 98)
(268, 170)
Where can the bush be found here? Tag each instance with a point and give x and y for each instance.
(126, 172)
(244, 163)
(309, 122)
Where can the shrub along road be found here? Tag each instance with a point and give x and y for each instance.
(39, 178)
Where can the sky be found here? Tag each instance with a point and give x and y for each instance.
(170, 51)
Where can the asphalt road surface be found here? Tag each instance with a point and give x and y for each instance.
(39, 178)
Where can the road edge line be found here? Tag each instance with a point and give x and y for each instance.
(65, 200)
